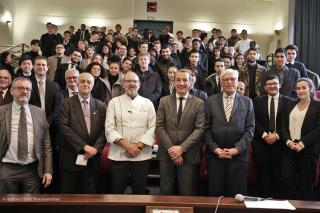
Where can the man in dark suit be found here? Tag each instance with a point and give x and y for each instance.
(267, 145)
(287, 76)
(180, 125)
(82, 33)
(45, 93)
(291, 52)
(212, 83)
(231, 125)
(5, 83)
(25, 68)
(75, 58)
(71, 78)
(82, 121)
(48, 41)
(25, 149)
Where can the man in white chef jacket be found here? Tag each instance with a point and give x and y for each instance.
(130, 130)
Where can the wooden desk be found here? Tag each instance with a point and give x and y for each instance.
(128, 203)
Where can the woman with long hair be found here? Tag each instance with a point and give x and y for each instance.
(90, 51)
(301, 132)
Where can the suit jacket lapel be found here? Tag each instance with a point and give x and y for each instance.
(235, 105)
(174, 104)
(78, 110)
(186, 108)
(93, 114)
(221, 106)
(8, 122)
(265, 108)
(35, 120)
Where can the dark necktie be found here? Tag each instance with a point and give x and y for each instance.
(272, 119)
(22, 136)
(74, 93)
(180, 109)
(1, 97)
(219, 85)
(58, 61)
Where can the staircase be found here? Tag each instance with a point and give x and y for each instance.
(16, 52)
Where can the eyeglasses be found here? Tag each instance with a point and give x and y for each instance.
(73, 78)
(131, 81)
(272, 84)
(229, 79)
(23, 89)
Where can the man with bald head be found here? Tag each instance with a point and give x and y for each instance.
(82, 120)
(5, 82)
(130, 126)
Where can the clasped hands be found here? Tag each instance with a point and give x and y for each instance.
(175, 153)
(270, 138)
(295, 146)
(132, 149)
(89, 151)
(226, 153)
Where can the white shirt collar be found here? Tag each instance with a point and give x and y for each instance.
(17, 106)
(232, 96)
(81, 99)
(38, 80)
(5, 91)
(276, 96)
(185, 97)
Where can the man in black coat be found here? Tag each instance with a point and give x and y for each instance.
(75, 58)
(267, 145)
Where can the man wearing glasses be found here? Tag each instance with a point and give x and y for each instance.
(267, 144)
(130, 126)
(231, 125)
(25, 148)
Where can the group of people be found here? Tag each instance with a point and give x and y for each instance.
(61, 108)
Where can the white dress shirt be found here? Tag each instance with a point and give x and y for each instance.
(4, 92)
(134, 120)
(225, 100)
(12, 153)
(295, 122)
(183, 101)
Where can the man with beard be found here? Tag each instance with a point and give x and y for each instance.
(59, 76)
(251, 74)
(130, 125)
(163, 61)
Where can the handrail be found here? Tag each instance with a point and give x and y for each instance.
(11, 47)
(16, 52)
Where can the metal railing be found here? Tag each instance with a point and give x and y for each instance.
(16, 52)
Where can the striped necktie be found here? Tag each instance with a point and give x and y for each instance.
(228, 107)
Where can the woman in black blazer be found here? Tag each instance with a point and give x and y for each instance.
(301, 132)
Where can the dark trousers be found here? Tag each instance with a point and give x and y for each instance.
(186, 176)
(227, 177)
(122, 170)
(79, 182)
(298, 174)
(269, 172)
(16, 179)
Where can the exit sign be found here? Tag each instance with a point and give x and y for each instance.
(152, 7)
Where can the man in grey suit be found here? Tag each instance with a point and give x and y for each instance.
(25, 148)
(82, 120)
(230, 125)
(180, 125)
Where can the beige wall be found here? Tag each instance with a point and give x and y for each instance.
(259, 17)
(6, 29)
